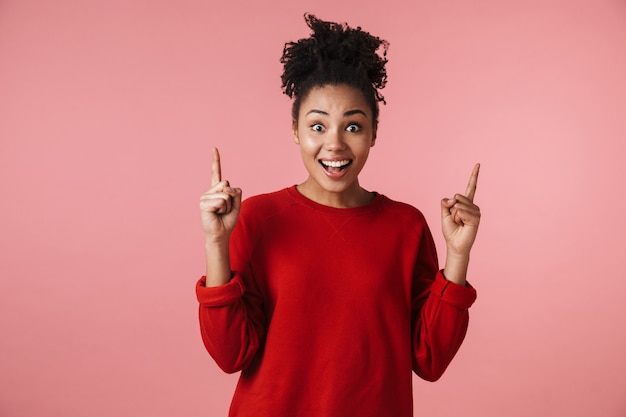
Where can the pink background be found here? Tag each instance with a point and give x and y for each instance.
(108, 112)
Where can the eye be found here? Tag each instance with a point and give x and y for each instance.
(317, 127)
(353, 128)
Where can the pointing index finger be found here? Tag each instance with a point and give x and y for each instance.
(216, 168)
(471, 186)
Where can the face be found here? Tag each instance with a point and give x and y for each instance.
(335, 133)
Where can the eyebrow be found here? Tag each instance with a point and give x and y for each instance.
(346, 114)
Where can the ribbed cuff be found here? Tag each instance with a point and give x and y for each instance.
(454, 294)
(221, 295)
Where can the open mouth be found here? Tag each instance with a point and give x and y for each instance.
(335, 166)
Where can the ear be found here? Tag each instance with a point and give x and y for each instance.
(373, 139)
(294, 131)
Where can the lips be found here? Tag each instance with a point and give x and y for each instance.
(335, 166)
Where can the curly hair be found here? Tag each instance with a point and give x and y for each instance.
(334, 54)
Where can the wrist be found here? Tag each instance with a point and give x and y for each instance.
(212, 242)
(455, 256)
(217, 263)
(456, 267)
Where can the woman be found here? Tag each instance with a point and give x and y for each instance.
(326, 296)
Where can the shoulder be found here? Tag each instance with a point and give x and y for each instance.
(263, 206)
(403, 213)
(272, 199)
(257, 214)
(401, 209)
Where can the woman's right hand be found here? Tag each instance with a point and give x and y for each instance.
(219, 206)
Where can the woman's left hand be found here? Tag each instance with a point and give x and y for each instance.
(460, 218)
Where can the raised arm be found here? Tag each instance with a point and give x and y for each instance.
(219, 210)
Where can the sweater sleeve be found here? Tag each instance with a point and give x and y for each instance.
(440, 314)
(232, 322)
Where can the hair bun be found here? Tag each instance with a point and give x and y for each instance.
(334, 47)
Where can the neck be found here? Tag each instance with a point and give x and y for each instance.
(354, 197)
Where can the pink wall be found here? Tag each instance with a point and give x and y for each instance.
(108, 111)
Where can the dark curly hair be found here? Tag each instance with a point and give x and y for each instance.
(334, 54)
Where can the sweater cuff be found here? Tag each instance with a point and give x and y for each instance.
(454, 294)
(221, 295)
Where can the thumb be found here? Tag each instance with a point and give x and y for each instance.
(446, 205)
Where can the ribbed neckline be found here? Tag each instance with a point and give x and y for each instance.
(367, 208)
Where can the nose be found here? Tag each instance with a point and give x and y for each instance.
(334, 140)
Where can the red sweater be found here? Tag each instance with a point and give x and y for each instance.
(328, 310)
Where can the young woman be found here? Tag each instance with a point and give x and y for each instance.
(324, 295)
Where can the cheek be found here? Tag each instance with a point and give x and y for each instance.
(308, 144)
(364, 155)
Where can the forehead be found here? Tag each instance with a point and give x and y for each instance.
(334, 99)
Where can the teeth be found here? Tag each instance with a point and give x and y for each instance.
(336, 164)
